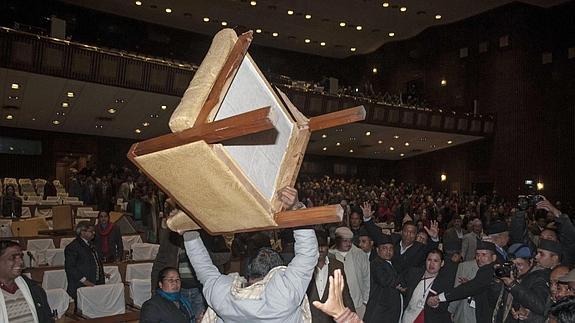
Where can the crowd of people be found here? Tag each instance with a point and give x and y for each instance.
(402, 253)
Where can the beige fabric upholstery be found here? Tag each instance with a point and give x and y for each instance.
(187, 111)
(205, 186)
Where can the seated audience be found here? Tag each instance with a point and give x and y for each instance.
(168, 305)
(21, 299)
(108, 240)
(10, 203)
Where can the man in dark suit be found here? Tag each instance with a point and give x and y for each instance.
(81, 262)
(366, 244)
(454, 235)
(483, 289)
(319, 285)
(437, 277)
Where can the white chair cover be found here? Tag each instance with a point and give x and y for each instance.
(115, 277)
(144, 251)
(139, 271)
(34, 262)
(52, 198)
(101, 300)
(81, 210)
(128, 241)
(88, 214)
(5, 228)
(40, 246)
(140, 291)
(43, 213)
(53, 279)
(55, 257)
(26, 213)
(58, 300)
(74, 203)
(34, 198)
(28, 203)
(65, 241)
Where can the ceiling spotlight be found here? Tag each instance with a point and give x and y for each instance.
(33, 119)
(358, 27)
(15, 86)
(9, 117)
(253, 3)
(391, 148)
(137, 131)
(338, 144)
(443, 177)
(65, 104)
(206, 19)
(56, 122)
(342, 24)
(401, 155)
(11, 148)
(368, 133)
(259, 31)
(386, 4)
(449, 142)
(154, 115)
(70, 94)
(380, 142)
(168, 10)
(111, 110)
(145, 124)
(322, 43)
(391, 34)
(437, 17)
(224, 23)
(99, 126)
(540, 186)
(403, 9)
(275, 34)
(406, 144)
(290, 12)
(374, 70)
(13, 97)
(324, 136)
(351, 150)
(138, 3)
(443, 82)
(352, 49)
(164, 107)
(324, 148)
(307, 41)
(308, 16)
(396, 137)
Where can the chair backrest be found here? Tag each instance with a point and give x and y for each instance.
(40, 244)
(140, 291)
(55, 257)
(101, 300)
(22, 181)
(65, 241)
(54, 279)
(128, 241)
(139, 271)
(144, 251)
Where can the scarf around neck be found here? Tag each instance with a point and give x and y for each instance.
(176, 297)
(105, 232)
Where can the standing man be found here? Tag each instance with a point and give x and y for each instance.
(469, 241)
(81, 262)
(366, 244)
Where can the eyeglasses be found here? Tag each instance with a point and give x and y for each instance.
(172, 281)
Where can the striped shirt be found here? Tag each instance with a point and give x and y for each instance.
(18, 309)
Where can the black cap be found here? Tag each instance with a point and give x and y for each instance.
(363, 232)
(497, 227)
(486, 245)
(382, 239)
(550, 245)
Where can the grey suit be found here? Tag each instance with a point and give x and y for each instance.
(461, 310)
(468, 246)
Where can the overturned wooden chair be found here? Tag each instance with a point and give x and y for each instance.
(236, 141)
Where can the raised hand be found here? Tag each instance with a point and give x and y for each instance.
(366, 209)
(547, 206)
(433, 230)
(288, 196)
(333, 306)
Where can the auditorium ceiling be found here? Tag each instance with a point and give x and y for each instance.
(50, 103)
(333, 28)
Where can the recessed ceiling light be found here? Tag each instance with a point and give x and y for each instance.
(137, 131)
(351, 150)
(308, 16)
(358, 27)
(15, 86)
(224, 23)
(449, 142)
(396, 137)
(168, 10)
(33, 119)
(324, 148)
(138, 3)
(65, 104)
(11, 148)
(206, 19)
(324, 136)
(290, 12)
(253, 3)
(437, 17)
(307, 40)
(164, 107)
(56, 122)
(145, 124)
(70, 94)
(402, 155)
(374, 70)
(99, 126)
(391, 148)
(259, 31)
(443, 82)
(386, 4)
(342, 24)
(380, 142)
(353, 49)
(9, 117)
(406, 144)
(368, 133)
(322, 43)
(112, 110)
(154, 115)
(338, 144)
(275, 34)
(391, 34)
(13, 97)
(403, 9)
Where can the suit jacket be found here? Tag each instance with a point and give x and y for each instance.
(312, 293)
(468, 246)
(384, 303)
(79, 262)
(532, 293)
(160, 310)
(461, 309)
(450, 236)
(414, 256)
(484, 290)
(442, 283)
(115, 244)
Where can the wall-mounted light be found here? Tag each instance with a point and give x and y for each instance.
(443, 177)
